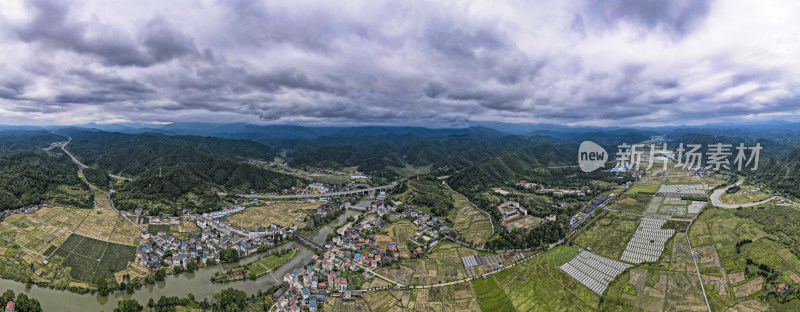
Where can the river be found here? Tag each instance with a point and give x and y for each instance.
(197, 283)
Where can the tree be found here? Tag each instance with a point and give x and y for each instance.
(7, 296)
(129, 305)
(102, 287)
(230, 300)
(161, 274)
(228, 255)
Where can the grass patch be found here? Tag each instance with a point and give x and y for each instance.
(269, 263)
(491, 296)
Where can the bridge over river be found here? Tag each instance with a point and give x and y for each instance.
(308, 242)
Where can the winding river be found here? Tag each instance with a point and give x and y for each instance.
(197, 283)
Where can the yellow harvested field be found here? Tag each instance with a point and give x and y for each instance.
(48, 227)
(100, 222)
(280, 213)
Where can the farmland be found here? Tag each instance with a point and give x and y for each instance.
(280, 213)
(727, 243)
(441, 265)
(608, 234)
(89, 258)
(399, 232)
(539, 284)
(491, 296)
(670, 284)
(746, 194)
(471, 222)
(636, 199)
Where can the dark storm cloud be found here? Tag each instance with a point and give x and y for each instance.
(54, 26)
(439, 63)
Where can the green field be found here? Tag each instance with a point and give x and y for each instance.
(540, 285)
(608, 234)
(153, 229)
(269, 263)
(490, 296)
(90, 259)
(746, 195)
(633, 201)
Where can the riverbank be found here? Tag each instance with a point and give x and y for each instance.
(256, 269)
(197, 283)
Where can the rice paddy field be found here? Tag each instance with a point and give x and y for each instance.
(281, 213)
(491, 296)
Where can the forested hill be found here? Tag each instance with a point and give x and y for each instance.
(529, 163)
(172, 170)
(31, 177)
(26, 140)
(202, 178)
(133, 154)
(445, 155)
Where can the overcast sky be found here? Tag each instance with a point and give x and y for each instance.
(437, 63)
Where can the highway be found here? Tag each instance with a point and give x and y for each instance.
(81, 166)
(302, 196)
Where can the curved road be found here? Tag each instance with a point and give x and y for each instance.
(717, 202)
(81, 166)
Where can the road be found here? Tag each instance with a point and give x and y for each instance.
(717, 202)
(120, 177)
(366, 190)
(81, 166)
(696, 267)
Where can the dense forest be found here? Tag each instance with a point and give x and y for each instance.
(199, 174)
(32, 177)
(427, 192)
(22, 140)
(133, 154)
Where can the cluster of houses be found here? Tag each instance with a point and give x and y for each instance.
(163, 250)
(319, 187)
(307, 288)
(23, 210)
